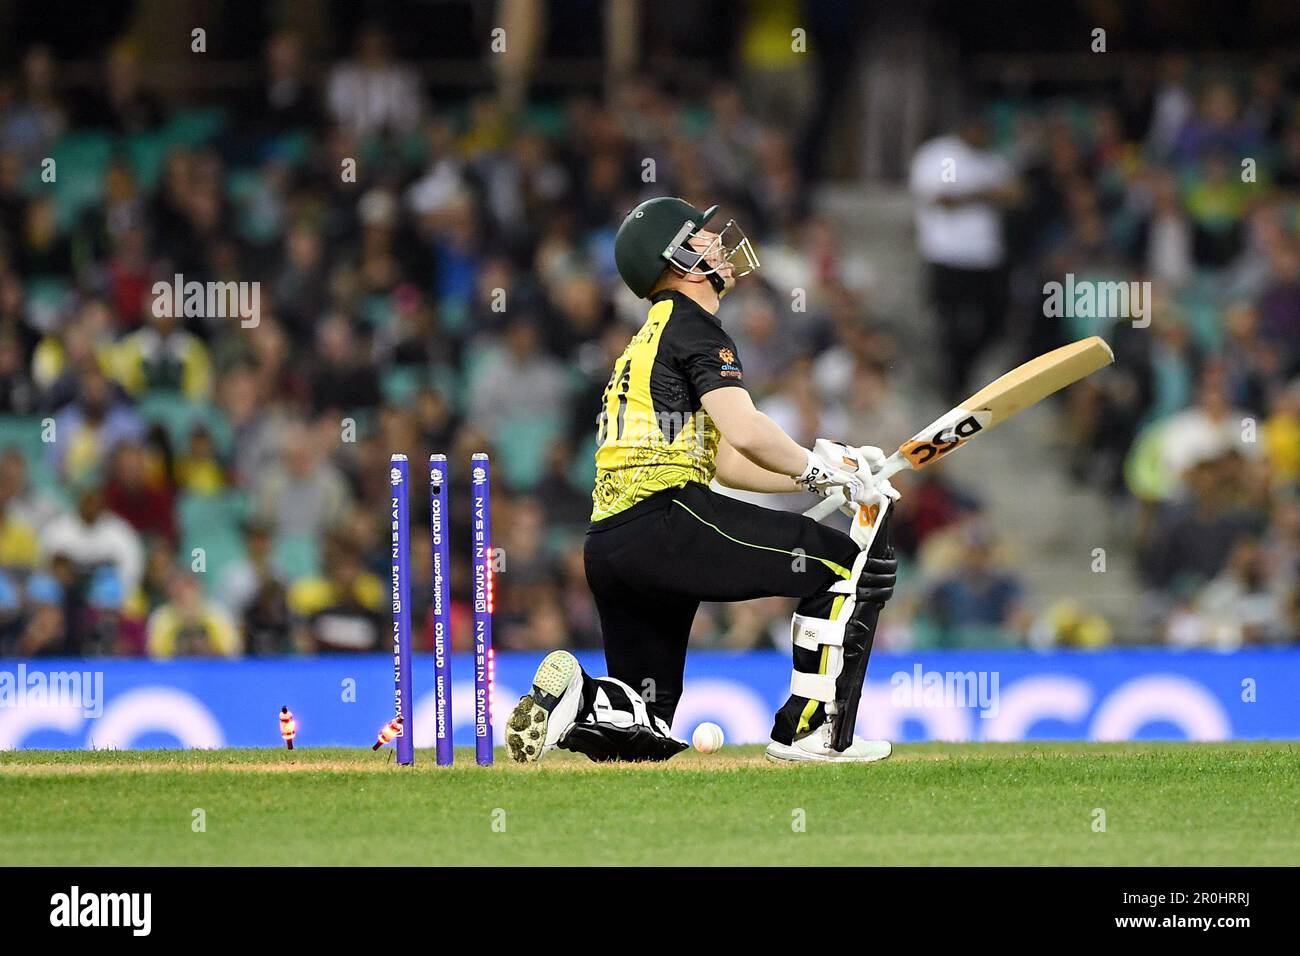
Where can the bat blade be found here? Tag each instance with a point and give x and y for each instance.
(1012, 393)
(1023, 386)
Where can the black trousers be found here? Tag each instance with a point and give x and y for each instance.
(971, 305)
(651, 566)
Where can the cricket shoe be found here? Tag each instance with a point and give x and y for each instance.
(542, 718)
(816, 748)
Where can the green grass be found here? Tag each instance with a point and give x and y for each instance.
(968, 804)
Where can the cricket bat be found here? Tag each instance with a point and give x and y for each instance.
(1008, 395)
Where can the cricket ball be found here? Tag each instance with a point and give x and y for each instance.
(707, 738)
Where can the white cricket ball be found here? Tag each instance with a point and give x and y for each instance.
(707, 738)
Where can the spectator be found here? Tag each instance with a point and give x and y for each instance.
(978, 604)
(342, 380)
(242, 579)
(341, 610)
(1208, 429)
(443, 181)
(285, 98)
(189, 625)
(1237, 607)
(37, 117)
(1281, 436)
(517, 380)
(459, 294)
(45, 631)
(373, 93)
(155, 584)
(1165, 239)
(304, 494)
(18, 543)
(126, 107)
(301, 287)
(199, 469)
(33, 507)
(961, 188)
(1216, 126)
(1195, 532)
(90, 427)
(92, 536)
(139, 491)
(164, 357)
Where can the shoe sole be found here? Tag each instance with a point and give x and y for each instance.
(794, 756)
(527, 726)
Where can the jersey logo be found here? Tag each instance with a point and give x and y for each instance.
(727, 356)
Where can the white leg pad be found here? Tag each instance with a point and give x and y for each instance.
(811, 633)
(820, 635)
(813, 686)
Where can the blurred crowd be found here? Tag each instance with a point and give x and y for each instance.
(438, 277)
(1184, 177)
(431, 278)
(1195, 189)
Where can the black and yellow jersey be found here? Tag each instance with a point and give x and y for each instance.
(652, 431)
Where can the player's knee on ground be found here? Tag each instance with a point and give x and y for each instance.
(618, 726)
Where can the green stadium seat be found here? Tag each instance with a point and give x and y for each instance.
(297, 556)
(194, 127)
(550, 120)
(240, 184)
(24, 433)
(376, 311)
(447, 383)
(81, 160)
(926, 634)
(212, 522)
(477, 355)
(982, 636)
(453, 316)
(1202, 304)
(523, 442)
(178, 415)
(292, 147)
(48, 290)
(400, 383)
(582, 473)
(225, 509)
(145, 152)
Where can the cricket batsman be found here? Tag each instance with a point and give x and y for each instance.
(676, 415)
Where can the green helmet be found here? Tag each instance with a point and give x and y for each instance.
(650, 235)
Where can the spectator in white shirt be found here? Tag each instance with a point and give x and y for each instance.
(961, 188)
(93, 536)
(373, 94)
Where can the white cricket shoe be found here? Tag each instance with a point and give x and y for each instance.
(542, 718)
(816, 748)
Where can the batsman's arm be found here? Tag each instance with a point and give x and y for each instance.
(737, 471)
(756, 438)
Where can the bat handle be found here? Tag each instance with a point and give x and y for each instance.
(827, 506)
(892, 466)
(835, 500)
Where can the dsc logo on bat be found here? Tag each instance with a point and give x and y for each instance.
(945, 435)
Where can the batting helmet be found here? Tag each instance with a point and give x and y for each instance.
(653, 235)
